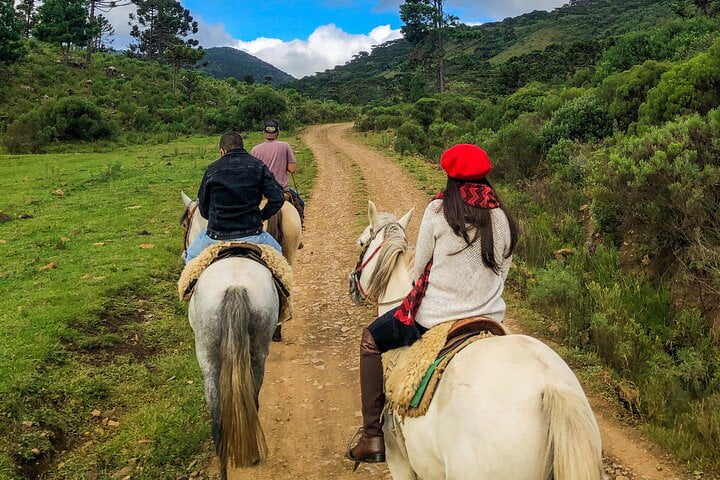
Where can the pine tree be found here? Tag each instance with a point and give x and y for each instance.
(101, 26)
(158, 25)
(424, 19)
(26, 10)
(63, 22)
(11, 48)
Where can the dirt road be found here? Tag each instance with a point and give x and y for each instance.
(310, 400)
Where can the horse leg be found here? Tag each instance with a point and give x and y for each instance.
(209, 361)
(395, 452)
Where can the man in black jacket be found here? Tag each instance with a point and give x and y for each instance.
(230, 195)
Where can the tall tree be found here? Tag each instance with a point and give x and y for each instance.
(26, 10)
(100, 24)
(159, 24)
(708, 7)
(179, 56)
(63, 22)
(11, 47)
(426, 19)
(106, 31)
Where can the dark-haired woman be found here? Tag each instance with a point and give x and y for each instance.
(462, 258)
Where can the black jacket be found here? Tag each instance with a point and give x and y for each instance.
(230, 195)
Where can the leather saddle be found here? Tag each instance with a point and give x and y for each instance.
(470, 327)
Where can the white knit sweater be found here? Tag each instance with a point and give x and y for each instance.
(460, 286)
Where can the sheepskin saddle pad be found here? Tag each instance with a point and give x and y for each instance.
(263, 254)
(413, 373)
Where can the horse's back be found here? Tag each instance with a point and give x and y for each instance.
(488, 408)
(243, 273)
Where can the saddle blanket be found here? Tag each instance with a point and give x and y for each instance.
(263, 254)
(413, 373)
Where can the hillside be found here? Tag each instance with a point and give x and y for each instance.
(45, 104)
(494, 58)
(228, 62)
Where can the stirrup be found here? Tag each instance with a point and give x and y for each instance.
(377, 458)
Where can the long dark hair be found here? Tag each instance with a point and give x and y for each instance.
(473, 223)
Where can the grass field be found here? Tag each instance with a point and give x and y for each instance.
(97, 368)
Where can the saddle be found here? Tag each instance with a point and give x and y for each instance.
(262, 254)
(413, 373)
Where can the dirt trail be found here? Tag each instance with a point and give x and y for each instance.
(310, 399)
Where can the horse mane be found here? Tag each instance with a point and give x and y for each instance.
(394, 246)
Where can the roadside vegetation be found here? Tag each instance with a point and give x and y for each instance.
(97, 367)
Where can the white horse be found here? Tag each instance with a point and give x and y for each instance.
(233, 313)
(507, 408)
(291, 227)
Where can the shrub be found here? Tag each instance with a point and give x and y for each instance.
(693, 86)
(517, 148)
(585, 119)
(410, 137)
(260, 105)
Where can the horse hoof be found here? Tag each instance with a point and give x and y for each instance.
(301, 246)
(357, 464)
(277, 335)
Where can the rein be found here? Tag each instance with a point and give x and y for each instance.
(363, 262)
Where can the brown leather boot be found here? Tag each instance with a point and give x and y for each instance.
(371, 446)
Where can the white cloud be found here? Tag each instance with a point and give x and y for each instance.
(325, 48)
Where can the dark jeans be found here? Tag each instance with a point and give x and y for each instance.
(390, 333)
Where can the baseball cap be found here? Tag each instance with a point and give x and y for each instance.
(271, 126)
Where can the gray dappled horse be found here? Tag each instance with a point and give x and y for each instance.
(233, 313)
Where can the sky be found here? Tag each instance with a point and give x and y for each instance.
(302, 37)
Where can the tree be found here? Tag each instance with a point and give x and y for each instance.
(159, 24)
(11, 48)
(26, 10)
(426, 19)
(179, 56)
(63, 22)
(102, 40)
(101, 26)
(707, 7)
(249, 79)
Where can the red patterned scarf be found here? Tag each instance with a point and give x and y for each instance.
(477, 195)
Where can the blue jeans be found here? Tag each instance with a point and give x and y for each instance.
(203, 241)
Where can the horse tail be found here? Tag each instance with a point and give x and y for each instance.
(573, 449)
(241, 437)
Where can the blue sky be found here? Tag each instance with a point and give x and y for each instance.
(302, 37)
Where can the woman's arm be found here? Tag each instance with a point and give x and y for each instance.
(426, 240)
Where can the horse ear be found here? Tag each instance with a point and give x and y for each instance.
(186, 200)
(372, 214)
(405, 220)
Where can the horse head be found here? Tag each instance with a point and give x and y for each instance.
(383, 243)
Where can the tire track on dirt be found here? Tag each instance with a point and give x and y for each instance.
(310, 398)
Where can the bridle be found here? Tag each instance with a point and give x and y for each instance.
(186, 222)
(364, 262)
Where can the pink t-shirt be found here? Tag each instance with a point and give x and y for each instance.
(277, 156)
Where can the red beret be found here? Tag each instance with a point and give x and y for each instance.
(466, 162)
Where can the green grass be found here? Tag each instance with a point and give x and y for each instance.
(102, 330)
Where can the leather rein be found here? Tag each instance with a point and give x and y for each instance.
(363, 262)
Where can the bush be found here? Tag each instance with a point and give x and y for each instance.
(67, 119)
(693, 86)
(516, 149)
(410, 137)
(258, 106)
(669, 177)
(585, 119)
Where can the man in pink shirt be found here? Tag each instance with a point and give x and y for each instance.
(280, 160)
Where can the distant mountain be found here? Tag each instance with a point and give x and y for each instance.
(228, 62)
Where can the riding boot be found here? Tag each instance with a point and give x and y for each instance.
(371, 446)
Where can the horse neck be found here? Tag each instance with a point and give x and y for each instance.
(398, 286)
(197, 226)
